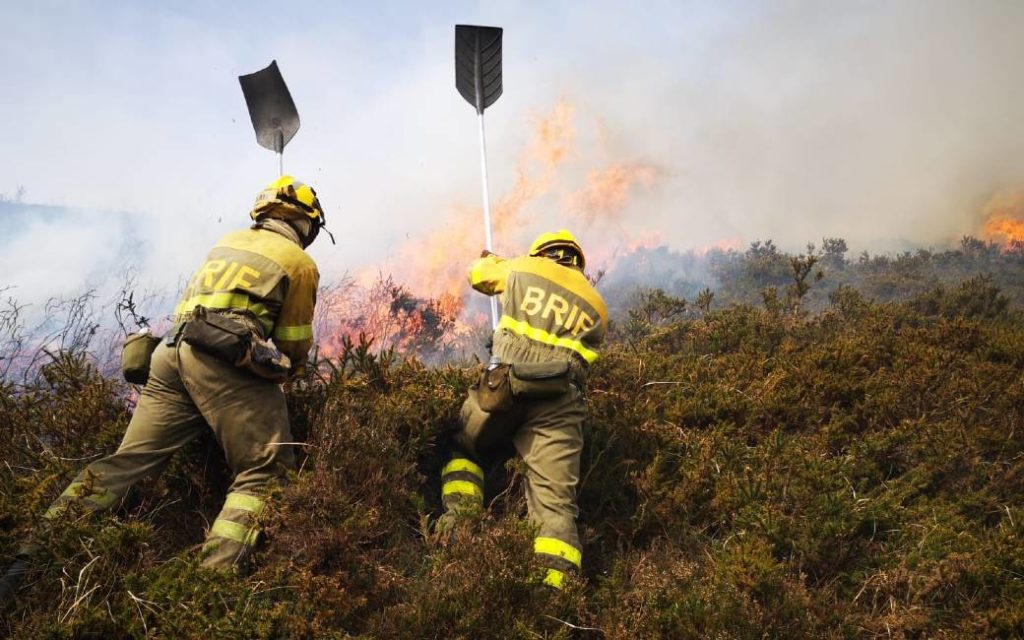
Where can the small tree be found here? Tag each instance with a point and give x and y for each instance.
(652, 308)
(801, 267)
(704, 299)
(833, 253)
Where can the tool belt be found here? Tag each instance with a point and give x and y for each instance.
(234, 342)
(137, 354)
(499, 386)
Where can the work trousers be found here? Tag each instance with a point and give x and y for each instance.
(548, 435)
(187, 390)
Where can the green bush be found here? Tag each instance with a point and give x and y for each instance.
(749, 472)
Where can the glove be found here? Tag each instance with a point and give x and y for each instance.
(263, 359)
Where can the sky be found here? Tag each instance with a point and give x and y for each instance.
(890, 124)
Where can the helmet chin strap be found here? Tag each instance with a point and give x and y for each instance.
(304, 230)
(308, 229)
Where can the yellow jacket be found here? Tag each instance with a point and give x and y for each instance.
(264, 274)
(549, 311)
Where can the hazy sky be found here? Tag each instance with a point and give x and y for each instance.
(882, 122)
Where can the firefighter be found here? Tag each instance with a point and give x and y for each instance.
(531, 395)
(258, 278)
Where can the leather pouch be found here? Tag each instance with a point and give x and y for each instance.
(539, 379)
(494, 393)
(218, 335)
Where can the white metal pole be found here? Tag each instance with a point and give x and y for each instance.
(487, 213)
(280, 153)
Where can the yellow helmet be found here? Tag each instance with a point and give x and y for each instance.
(289, 199)
(561, 246)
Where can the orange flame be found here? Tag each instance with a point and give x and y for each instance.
(436, 263)
(1005, 218)
(727, 244)
(608, 189)
(428, 307)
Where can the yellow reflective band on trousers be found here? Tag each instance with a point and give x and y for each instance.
(298, 332)
(244, 502)
(234, 531)
(533, 333)
(99, 496)
(463, 488)
(462, 464)
(54, 511)
(554, 578)
(555, 547)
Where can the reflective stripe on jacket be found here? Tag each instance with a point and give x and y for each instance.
(549, 311)
(265, 274)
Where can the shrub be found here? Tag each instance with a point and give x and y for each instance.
(748, 473)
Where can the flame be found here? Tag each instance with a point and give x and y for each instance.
(724, 245)
(608, 189)
(435, 264)
(421, 305)
(388, 313)
(1005, 218)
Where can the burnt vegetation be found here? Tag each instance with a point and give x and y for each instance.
(782, 454)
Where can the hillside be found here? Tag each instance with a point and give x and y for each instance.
(752, 470)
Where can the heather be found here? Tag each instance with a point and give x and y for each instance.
(772, 454)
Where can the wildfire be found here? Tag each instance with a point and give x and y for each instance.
(1005, 218)
(728, 244)
(435, 263)
(608, 189)
(422, 302)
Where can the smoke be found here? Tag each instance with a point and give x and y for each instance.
(55, 252)
(888, 124)
(884, 123)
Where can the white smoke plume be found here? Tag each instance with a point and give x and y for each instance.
(888, 124)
